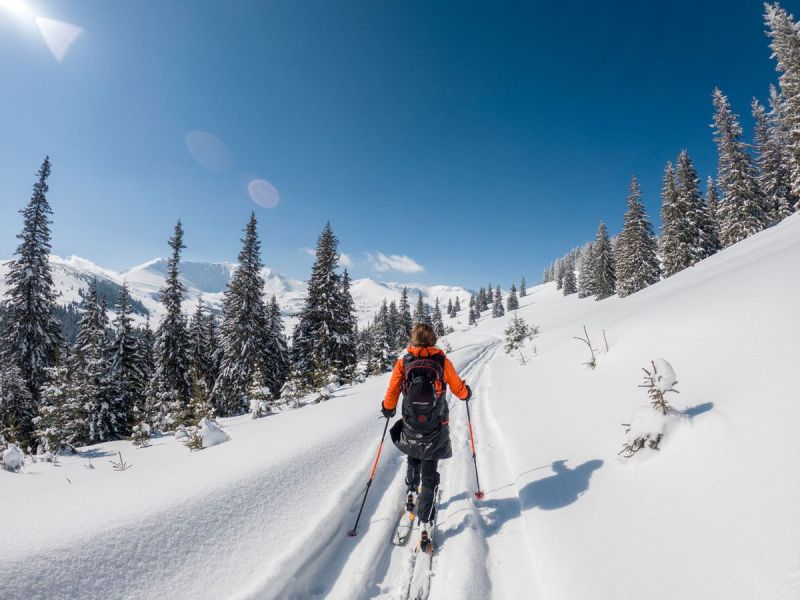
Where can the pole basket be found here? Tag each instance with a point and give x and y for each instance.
(479, 495)
(352, 533)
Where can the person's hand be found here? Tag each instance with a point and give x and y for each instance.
(387, 412)
(469, 394)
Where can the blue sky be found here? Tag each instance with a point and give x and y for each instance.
(478, 140)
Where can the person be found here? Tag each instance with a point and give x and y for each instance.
(423, 433)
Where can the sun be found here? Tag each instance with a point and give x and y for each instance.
(18, 8)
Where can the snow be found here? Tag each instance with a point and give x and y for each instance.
(715, 513)
(212, 433)
(13, 459)
(665, 378)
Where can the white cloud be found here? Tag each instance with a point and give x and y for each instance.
(309, 251)
(345, 261)
(394, 262)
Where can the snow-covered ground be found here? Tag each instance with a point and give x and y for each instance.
(714, 514)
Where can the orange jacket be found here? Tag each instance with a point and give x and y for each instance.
(451, 378)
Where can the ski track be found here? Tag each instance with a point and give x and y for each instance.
(332, 565)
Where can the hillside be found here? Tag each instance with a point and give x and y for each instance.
(715, 513)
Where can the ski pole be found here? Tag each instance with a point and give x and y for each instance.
(479, 494)
(353, 531)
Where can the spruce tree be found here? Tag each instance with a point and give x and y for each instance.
(405, 316)
(395, 326)
(742, 210)
(636, 261)
(512, 303)
(314, 340)
(785, 45)
(570, 285)
(245, 327)
(436, 321)
(31, 334)
(61, 422)
(450, 312)
(522, 290)
(585, 282)
(473, 311)
(92, 373)
(17, 407)
(712, 201)
(420, 312)
(772, 156)
(456, 306)
(170, 391)
(276, 362)
(344, 333)
(700, 234)
(497, 306)
(200, 359)
(382, 356)
(675, 240)
(603, 275)
(128, 370)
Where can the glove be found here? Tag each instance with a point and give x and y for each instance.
(469, 394)
(387, 412)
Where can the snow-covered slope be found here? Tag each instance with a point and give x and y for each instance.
(714, 514)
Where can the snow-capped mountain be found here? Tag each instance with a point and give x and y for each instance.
(209, 280)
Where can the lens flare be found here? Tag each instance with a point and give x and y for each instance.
(58, 36)
(263, 193)
(208, 151)
(17, 7)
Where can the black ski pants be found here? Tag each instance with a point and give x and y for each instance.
(423, 471)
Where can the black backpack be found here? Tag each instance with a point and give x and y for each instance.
(424, 405)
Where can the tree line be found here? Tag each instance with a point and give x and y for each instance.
(757, 186)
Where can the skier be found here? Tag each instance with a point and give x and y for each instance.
(423, 433)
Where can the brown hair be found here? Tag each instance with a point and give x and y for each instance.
(423, 335)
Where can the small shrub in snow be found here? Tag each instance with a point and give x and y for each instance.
(650, 423)
(194, 441)
(181, 434)
(518, 333)
(258, 408)
(593, 361)
(13, 459)
(206, 435)
(117, 465)
(141, 435)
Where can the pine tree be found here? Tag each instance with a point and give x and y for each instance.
(17, 407)
(741, 212)
(313, 342)
(170, 392)
(712, 202)
(585, 282)
(344, 333)
(450, 312)
(128, 371)
(200, 359)
(785, 45)
(674, 242)
(147, 343)
(61, 422)
(405, 316)
(522, 290)
(512, 303)
(473, 311)
(636, 261)
(245, 328)
(31, 334)
(395, 326)
(700, 234)
(381, 352)
(436, 321)
(92, 373)
(497, 306)
(456, 307)
(570, 285)
(603, 275)
(772, 157)
(421, 312)
(277, 363)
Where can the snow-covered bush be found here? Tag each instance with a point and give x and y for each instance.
(258, 408)
(207, 434)
(141, 435)
(13, 459)
(518, 333)
(650, 423)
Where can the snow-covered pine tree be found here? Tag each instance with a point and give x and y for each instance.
(570, 283)
(604, 274)
(393, 323)
(436, 321)
(17, 407)
(200, 359)
(456, 307)
(31, 334)
(421, 312)
(245, 327)
(780, 186)
(785, 45)
(522, 290)
(128, 371)
(405, 315)
(450, 312)
(276, 362)
(675, 238)
(497, 306)
(479, 300)
(560, 274)
(313, 342)
(92, 373)
(585, 282)
(146, 344)
(60, 423)
(170, 391)
(742, 210)
(473, 311)
(343, 338)
(382, 356)
(636, 260)
(512, 303)
(702, 233)
(712, 201)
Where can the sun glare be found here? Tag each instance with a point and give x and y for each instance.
(19, 8)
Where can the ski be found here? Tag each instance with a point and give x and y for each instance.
(419, 586)
(404, 527)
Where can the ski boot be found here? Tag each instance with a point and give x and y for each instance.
(425, 542)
